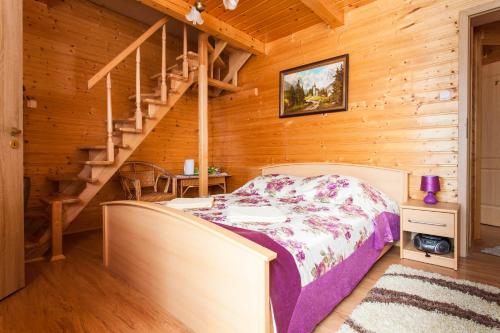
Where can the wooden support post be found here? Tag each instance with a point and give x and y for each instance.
(138, 112)
(109, 145)
(57, 231)
(185, 63)
(164, 64)
(219, 47)
(203, 113)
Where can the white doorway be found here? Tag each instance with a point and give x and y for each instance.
(469, 161)
(489, 203)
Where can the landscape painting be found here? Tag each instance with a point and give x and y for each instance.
(315, 88)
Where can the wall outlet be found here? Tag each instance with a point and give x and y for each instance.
(444, 95)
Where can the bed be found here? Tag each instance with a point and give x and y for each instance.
(216, 277)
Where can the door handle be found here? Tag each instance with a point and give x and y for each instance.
(14, 131)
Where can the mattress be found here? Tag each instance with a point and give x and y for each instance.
(335, 228)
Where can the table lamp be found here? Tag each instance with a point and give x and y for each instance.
(430, 184)
(189, 167)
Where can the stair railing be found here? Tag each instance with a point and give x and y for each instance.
(106, 72)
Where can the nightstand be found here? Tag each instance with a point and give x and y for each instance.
(440, 219)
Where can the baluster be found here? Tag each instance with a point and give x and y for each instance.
(110, 146)
(138, 112)
(163, 64)
(185, 64)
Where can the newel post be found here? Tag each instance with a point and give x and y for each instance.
(110, 145)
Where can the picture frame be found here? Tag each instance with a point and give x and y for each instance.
(318, 87)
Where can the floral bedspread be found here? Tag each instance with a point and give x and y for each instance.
(328, 217)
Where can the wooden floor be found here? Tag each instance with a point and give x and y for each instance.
(79, 295)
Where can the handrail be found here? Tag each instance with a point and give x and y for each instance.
(125, 53)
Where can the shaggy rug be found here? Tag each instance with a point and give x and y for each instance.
(410, 300)
(492, 250)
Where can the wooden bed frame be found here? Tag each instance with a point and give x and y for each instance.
(211, 279)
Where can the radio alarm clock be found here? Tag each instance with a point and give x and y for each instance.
(432, 244)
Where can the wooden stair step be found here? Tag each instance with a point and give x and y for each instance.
(123, 121)
(97, 163)
(102, 147)
(176, 71)
(175, 76)
(145, 115)
(154, 101)
(66, 199)
(191, 55)
(145, 95)
(129, 130)
(70, 178)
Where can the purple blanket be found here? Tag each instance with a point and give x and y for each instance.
(299, 310)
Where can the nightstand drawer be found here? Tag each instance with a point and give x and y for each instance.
(426, 222)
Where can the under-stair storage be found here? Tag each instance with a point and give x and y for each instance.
(73, 192)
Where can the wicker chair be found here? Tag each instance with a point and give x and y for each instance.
(141, 181)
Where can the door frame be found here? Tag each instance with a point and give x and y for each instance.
(12, 275)
(468, 19)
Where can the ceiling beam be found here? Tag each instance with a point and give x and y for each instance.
(215, 27)
(326, 11)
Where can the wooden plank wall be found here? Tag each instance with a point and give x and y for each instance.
(402, 54)
(63, 47)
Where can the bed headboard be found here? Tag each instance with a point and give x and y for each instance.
(393, 182)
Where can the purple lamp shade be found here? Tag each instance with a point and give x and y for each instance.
(430, 184)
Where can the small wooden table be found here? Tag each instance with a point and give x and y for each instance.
(186, 182)
(440, 219)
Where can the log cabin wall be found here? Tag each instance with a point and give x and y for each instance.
(64, 45)
(402, 55)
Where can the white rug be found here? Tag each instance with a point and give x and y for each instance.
(495, 251)
(414, 301)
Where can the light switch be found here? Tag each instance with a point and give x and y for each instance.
(32, 104)
(444, 95)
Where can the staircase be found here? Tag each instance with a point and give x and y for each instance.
(75, 191)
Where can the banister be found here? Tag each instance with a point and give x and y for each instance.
(125, 53)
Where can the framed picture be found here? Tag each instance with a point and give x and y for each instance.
(319, 87)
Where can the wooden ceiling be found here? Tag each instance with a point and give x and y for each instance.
(268, 20)
(256, 22)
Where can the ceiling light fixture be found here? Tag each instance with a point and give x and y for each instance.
(230, 4)
(194, 15)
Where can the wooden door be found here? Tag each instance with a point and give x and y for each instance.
(11, 148)
(490, 144)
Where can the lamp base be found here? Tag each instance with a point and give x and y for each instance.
(430, 199)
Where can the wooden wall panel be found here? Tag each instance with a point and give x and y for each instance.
(64, 46)
(402, 55)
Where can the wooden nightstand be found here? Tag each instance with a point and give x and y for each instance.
(440, 219)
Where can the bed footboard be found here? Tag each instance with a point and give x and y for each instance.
(211, 279)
